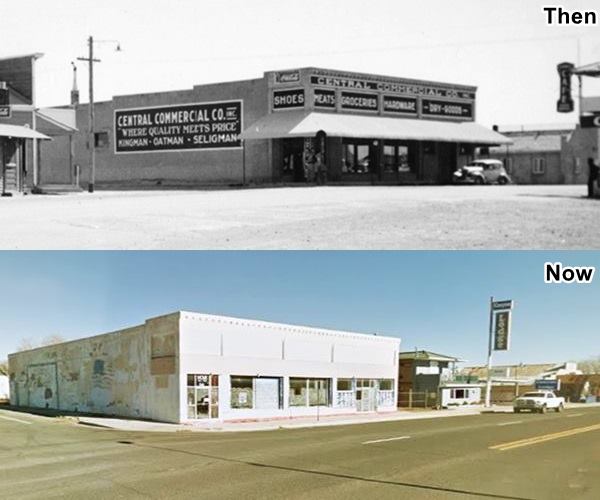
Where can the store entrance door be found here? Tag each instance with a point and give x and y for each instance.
(203, 396)
(365, 399)
(9, 163)
(292, 169)
(447, 161)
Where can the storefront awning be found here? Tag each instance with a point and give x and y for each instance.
(307, 123)
(20, 132)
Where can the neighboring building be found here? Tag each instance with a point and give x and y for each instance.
(509, 381)
(456, 394)
(4, 396)
(522, 372)
(547, 154)
(25, 130)
(580, 387)
(365, 128)
(185, 367)
(421, 373)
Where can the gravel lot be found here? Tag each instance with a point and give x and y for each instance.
(328, 217)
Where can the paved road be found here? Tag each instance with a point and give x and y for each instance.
(355, 217)
(506, 456)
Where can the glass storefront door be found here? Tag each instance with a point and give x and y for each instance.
(366, 395)
(202, 396)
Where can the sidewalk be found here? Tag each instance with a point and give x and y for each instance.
(298, 422)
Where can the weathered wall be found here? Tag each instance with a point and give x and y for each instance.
(130, 372)
(54, 161)
(175, 168)
(523, 164)
(582, 144)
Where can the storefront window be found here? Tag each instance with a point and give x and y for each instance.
(310, 392)
(298, 391)
(385, 396)
(389, 158)
(259, 393)
(242, 393)
(365, 382)
(355, 158)
(344, 393)
(399, 157)
(318, 392)
(386, 384)
(344, 384)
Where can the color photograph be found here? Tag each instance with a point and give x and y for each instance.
(299, 249)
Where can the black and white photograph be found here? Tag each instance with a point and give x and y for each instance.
(299, 249)
(299, 125)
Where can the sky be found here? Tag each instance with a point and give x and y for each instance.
(437, 301)
(504, 47)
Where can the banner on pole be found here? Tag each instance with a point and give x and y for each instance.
(502, 330)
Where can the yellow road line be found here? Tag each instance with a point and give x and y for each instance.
(385, 440)
(543, 438)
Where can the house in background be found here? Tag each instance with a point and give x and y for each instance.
(421, 373)
(510, 381)
(541, 155)
(548, 154)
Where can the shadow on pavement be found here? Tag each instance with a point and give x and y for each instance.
(330, 474)
(50, 412)
(563, 196)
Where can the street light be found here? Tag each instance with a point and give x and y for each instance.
(91, 141)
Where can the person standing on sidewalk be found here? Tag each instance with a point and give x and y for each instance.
(320, 169)
(592, 176)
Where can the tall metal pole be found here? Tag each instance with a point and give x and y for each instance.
(580, 94)
(35, 143)
(243, 162)
(488, 387)
(91, 136)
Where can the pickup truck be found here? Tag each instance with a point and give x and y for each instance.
(539, 401)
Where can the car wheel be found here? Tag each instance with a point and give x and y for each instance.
(478, 181)
(543, 409)
(502, 180)
(560, 408)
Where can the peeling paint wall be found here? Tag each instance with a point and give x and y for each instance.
(130, 372)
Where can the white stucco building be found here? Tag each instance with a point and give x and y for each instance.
(185, 367)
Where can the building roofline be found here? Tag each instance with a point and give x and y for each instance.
(253, 322)
(427, 355)
(33, 55)
(373, 76)
(291, 327)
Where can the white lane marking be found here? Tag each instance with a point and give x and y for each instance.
(511, 423)
(15, 420)
(387, 439)
(576, 415)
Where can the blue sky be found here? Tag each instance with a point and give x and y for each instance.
(432, 300)
(505, 47)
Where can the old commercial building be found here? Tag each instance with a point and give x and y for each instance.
(547, 154)
(288, 126)
(185, 367)
(26, 130)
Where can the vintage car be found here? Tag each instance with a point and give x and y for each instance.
(538, 401)
(482, 172)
